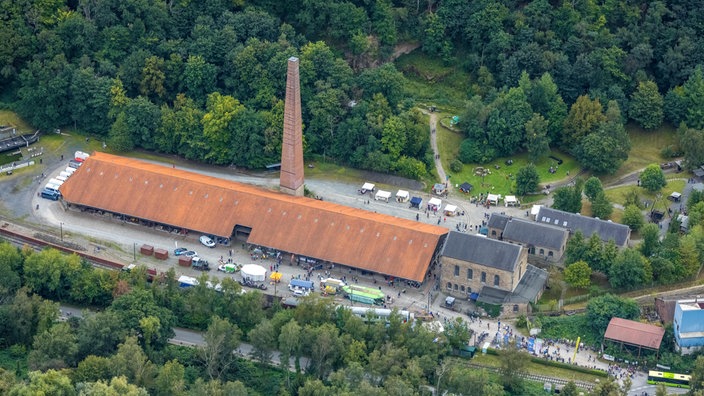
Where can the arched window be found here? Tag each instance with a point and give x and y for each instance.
(542, 252)
(493, 233)
(462, 288)
(457, 270)
(483, 277)
(496, 280)
(470, 273)
(449, 285)
(515, 308)
(455, 286)
(550, 253)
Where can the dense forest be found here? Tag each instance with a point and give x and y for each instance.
(205, 79)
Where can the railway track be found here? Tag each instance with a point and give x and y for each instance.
(540, 378)
(22, 239)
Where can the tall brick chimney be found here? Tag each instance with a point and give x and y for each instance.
(291, 181)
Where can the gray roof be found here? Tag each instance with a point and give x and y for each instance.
(492, 295)
(497, 221)
(536, 234)
(530, 285)
(482, 250)
(606, 230)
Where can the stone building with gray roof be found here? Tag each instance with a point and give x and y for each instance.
(489, 270)
(544, 241)
(607, 230)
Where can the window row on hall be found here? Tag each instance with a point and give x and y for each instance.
(470, 275)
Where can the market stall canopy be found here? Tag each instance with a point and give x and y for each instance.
(254, 272)
(493, 198)
(416, 202)
(435, 202)
(510, 200)
(402, 194)
(381, 194)
(368, 186)
(450, 208)
(276, 276)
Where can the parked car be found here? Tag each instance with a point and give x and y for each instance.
(190, 253)
(228, 268)
(180, 251)
(207, 241)
(200, 264)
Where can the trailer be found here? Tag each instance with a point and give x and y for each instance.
(187, 281)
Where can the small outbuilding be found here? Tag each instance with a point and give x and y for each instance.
(675, 196)
(416, 202)
(382, 195)
(634, 334)
(466, 187)
(511, 200)
(402, 196)
(439, 188)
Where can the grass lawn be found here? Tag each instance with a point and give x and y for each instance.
(645, 149)
(618, 194)
(11, 118)
(431, 82)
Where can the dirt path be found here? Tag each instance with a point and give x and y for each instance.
(434, 144)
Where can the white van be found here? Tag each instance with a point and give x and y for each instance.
(56, 181)
(69, 170)
(65, 174)
(61, 178)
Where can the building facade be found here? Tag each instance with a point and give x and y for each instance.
(688, 325)
(543, 241)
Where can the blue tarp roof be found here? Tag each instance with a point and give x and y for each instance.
(301, 283)
(416, 200)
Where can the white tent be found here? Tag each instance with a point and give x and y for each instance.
(382, 195)
(368, 186)
(511, 200)
(434, 203)
(450, 210)
(675, 196)
(402, 196)
(493, 199)
(254, 272)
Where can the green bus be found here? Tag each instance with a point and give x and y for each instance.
(669, 379)
(363, 294)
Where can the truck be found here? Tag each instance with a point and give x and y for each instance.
(364, 295)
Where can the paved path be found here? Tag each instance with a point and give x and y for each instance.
(436, 152)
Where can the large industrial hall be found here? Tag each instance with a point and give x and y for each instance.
(303, 226)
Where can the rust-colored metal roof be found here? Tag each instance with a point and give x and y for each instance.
(634, 333)
(323, 230)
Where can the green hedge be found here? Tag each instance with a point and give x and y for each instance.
(566, 366)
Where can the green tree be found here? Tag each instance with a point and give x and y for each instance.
(568, 198)
(646, 107)
(263, 339)
(527, 180)
(694, 96)
(584, 118)
(51, 382)
(393, 137)
(153, 78)
(116, 386)
(537, 140)
(55, 348)
(592, 188)
(650, 239)
(576, 249)
(131, 361)
(198, 78)
(633, 217)
(630, 269)
(605, 149)
(507, 120)
(513, 367)
(602, 207)
(221, 340)
(170, 379)
(435, 42)
(578, 275)
(692, 143)
(601, 309)
(652, 178)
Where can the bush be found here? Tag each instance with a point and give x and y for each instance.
(491, 309)
(456, 166)
(670, 151)
(473, 151)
